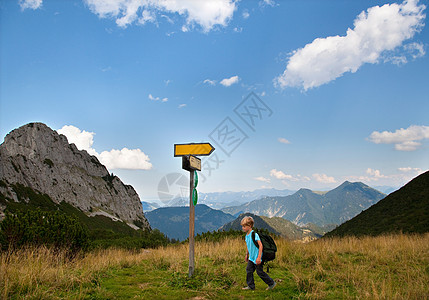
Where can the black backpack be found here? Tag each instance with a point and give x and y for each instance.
(269, 247)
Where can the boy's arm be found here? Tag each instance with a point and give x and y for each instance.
(259, 259)
(247, 255)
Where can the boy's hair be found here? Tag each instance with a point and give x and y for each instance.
(247, 221)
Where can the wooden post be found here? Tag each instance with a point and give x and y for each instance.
(191, 227)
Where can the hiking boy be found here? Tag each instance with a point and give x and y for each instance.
(254, 257)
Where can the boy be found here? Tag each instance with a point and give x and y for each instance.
(254, 256)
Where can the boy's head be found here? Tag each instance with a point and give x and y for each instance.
(247, 221)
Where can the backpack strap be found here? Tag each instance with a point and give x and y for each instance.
(257, 246)
(254, 240)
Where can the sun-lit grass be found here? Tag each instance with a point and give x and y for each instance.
(385, 267)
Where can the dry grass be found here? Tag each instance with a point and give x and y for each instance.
(387, 267)
(39, 272)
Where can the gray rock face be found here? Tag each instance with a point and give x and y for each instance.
(38, 157)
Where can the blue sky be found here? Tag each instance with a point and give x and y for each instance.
(290, 93)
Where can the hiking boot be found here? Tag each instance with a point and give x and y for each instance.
(270, 287)
(247, 288)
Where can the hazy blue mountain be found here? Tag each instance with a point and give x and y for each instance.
(305, 206)
(385, 189)
(406, 210)
(224, 199)
(280, 226)
(174, 221)
(148, 206)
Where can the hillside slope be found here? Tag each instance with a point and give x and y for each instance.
(406, 210)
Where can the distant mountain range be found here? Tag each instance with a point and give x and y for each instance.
(174, 221)
(282, 227)
(385, 189)
(226, 199)
(320, 208)
(406, 210)
(148, 206)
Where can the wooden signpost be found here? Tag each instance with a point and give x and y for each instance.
(191, 163)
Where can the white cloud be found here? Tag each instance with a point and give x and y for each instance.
(395, 180)
(210, 82)
(281, 175)
(263, 179)
(125, 159)
(206, 14)
(30, 4)
(113, 159)
(409, 169)
(246, 14)
(323, 178)
(404, 139)
(374, 174)
(157, 98)
(182, 105)
(81, 138)
(271, 3)
(230, 81)
(283, 141)
(375, 32)
(416, 50)
(409, 51)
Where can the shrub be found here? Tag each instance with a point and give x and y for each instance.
(37, 227)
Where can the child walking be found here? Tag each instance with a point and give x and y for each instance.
(254, 257)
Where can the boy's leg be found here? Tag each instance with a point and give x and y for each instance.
(264, 276)
(249, 278)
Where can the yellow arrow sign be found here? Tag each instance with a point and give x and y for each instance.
(193, 149)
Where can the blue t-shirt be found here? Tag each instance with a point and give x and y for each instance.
(253, 250)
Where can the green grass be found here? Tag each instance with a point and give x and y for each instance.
(149, 281)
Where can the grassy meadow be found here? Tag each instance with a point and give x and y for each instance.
(385, 267)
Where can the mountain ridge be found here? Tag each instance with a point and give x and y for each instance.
(37, 157)
(306, 206)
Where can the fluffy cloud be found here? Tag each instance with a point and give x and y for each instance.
(113, 159)
(30, 4)
(230, 81)
(81, 138)
(323, 178)
(206, 14)
(281, 175)
(125, 159)
(404, 139)
(376, 32)
(374, 174)
(283, 141)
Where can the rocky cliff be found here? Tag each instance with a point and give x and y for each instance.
(38, 157)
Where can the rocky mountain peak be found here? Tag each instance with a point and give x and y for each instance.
(38, 157)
